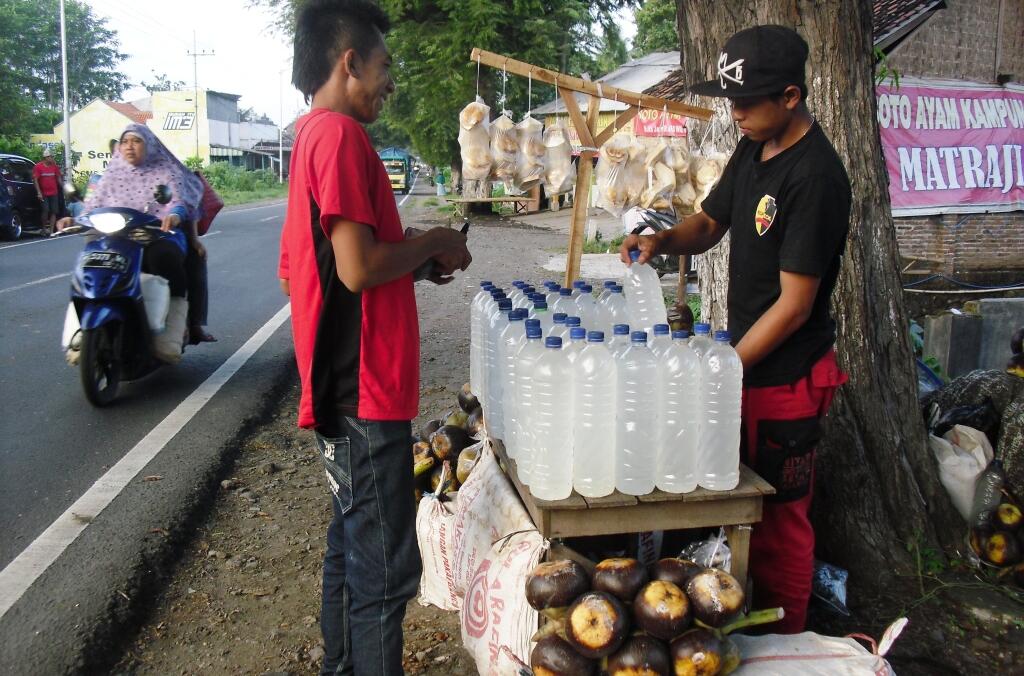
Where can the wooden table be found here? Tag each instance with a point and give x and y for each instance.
(461, 204)
(577, 516)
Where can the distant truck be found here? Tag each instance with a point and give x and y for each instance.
(399, 167)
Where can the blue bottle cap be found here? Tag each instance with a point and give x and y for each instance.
(532, 332)
(722, 337)
(540, 305)
(682, 334)
(553, 341)
(587, 288)
(572, 321)
(559, 317)
(564, 291)
(639, 337)
(701, 328)
(522, 312)
(578, 284)
(620, 330)
(577, 333)
(497, 293)
(617, 288)
(505, 304)
(515, 316)
(634, 255)
(595, 337)
(486, 282)
(609, 283)
(519, 283)
(534, 323)
(549, 283)
(536, 296)
(661, 329)
(527, 289)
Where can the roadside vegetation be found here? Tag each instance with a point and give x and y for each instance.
(236, 185)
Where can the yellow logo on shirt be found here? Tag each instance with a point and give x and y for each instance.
(765, 215)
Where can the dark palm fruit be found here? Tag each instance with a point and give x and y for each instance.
(620, 577)
(457, 419)
(421, 449)
(1008, 516)
(596, 624)
(428, 429)
(552, 656)
(449, 441)
(677, 571)
(979, 539)
(556, 584)
(475, 421)
(698, 652)
(1002, 549)
(641, 656)
(716, 597)
(662, 610)
(468, 400)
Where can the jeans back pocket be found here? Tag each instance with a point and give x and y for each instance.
(336, 454)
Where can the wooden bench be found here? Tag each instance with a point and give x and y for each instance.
(577, 516)
(461, 204)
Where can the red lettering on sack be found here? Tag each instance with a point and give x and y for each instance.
(474, 610)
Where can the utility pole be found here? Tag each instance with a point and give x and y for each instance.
(67, 109)
(195, 54)
(280, 127)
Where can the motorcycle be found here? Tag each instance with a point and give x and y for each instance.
(115, 308)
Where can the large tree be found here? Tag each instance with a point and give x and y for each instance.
(877, 488)
(30, 63)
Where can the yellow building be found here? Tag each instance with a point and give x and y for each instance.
(211, 130)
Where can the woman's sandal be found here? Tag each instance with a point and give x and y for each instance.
(198, 335)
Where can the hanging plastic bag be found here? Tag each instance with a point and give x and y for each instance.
(636, 172)
(962, 455)
(612, 180)
(505, 151)
(559, 172)
(704, 174)
(661, 180)
(474, 141)
(531, 154)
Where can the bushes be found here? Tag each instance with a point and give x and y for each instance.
(224, 177)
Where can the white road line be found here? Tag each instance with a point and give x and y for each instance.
(24, 570)
(411, 188)
(38, 281)
(40, 241)
(262, 206)
(269, 218)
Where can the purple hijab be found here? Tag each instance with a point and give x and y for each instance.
(125, 185)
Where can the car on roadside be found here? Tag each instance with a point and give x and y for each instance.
(21, 211)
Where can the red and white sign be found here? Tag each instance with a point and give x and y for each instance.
(659, 123)
(952, 148)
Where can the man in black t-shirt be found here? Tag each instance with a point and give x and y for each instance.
(785, 197)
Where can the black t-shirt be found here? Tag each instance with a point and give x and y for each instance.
(790, 213)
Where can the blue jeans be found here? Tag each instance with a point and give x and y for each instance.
(372, 565)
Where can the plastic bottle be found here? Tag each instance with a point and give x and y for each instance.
(475, 313)
(496, 323)
(643, 295)
(722, 374)
(606, 290)
(637, 430)
(509, 342)
(565, 303)
(517, 290)
(577, 341)
(523, 437)
(558, 325)
(489, 308)
(577, 288)
(540, 311)
(551, 474)
(701, 340)
(616, 311)
(552, 295)
(679, 412)
(662, 339)
(528, 294)
(570, 324)
(620, 340)
(593, 449)
(586, 308)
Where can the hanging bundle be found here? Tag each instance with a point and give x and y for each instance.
(505, 151)
(559, 171)
(705, 172)
(661, 179)
(474, 141)
(612, 180)
(531, 153)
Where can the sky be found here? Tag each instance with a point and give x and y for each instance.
(249, 59)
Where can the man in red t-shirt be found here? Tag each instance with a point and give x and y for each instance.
(348, 268)
(46, 175)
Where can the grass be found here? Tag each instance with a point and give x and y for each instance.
(599, 245)
(430, 202)
(235, 197)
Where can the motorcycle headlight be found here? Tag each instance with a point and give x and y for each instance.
(108, 223)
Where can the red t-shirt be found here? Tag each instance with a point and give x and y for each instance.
(48, 176)
(358, 353)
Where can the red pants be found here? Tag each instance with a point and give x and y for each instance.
(782, 426)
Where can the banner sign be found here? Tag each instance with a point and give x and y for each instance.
(952, 148)
(659, 123)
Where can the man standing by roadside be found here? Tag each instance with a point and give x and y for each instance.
(47, 177)
(785, 197)
(348, 269)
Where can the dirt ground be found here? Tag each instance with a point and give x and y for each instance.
(246, 595)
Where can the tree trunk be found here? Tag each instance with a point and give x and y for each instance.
(877, 485)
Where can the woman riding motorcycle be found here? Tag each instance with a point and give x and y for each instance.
(140, 164)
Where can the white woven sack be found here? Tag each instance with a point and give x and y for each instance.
(963, 453)
(495, 616)
(434, 521)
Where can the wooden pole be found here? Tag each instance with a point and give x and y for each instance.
(584, 174)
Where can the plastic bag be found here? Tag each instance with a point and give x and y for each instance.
(704, 174)
(710, 553)
(963, 454)
(505, 151)
(531, 154)
(612, 180)
(559, 172)
(474, 141)
(661, 180)
(829, 585)
(982, 417)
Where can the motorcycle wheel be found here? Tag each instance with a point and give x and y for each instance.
(99, 365)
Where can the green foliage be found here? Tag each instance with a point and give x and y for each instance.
(161, 83)
(224, 177)
(30, 64)
(194, 163)
(599, 245)
(883, 71)
(655, 28)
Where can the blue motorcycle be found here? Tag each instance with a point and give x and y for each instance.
(114, 340)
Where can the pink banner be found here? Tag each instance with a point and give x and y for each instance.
(659, 123)
(952, 149)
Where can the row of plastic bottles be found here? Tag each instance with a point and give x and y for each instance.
(579, 412)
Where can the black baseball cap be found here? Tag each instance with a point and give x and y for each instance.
(757, 61)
